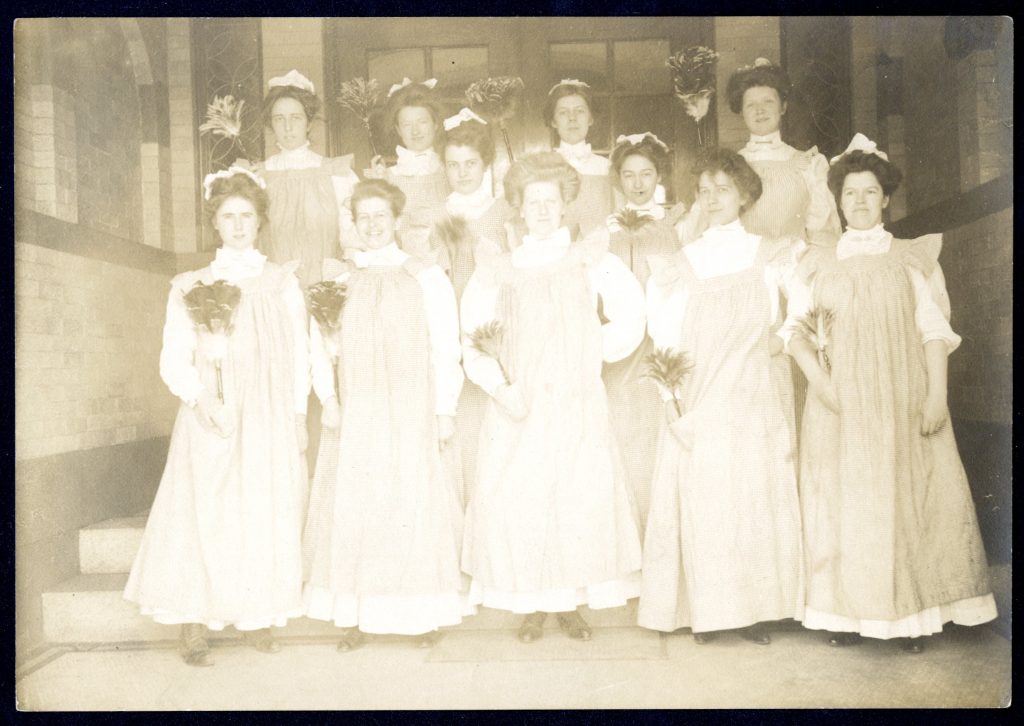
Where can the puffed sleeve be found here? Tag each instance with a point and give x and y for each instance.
(622, 304)
(666, 305)
(479, 303)
(296, 306)
(344, 181)
(822, 219)
(177, 368)
(783, 271)
(443, 327)
(932, 321)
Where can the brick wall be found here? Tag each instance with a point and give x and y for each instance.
(977, 260)
(864, 76)
(183, 170)
(739, 41)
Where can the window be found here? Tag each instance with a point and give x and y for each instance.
(454, 68)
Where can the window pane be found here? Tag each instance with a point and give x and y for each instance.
(640, 67)
(456, 68)
(391, 66)
(586, 62)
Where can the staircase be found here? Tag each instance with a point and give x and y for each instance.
(89, 608)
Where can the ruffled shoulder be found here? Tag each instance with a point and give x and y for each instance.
(805, 159)
(184, 281)
(676, 213)
(667, 269)
(415, 264)
(339, 165)
(812, 258)
(922, 252)
(331, 268)
(257, 167)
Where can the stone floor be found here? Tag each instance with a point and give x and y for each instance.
(489, 669)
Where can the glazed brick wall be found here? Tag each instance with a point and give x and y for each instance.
(87, 347)
(739, 41)
(977, 260)
(183, 171)
(296, 43)
(985, 119)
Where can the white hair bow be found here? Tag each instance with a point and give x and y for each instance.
(637, 139)
(461, 117)
(209, 179)
(292, 78)
(860, 142)
(569, 82)
(429, 83)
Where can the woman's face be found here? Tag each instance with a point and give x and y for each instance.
(237, 223)
(720, 197)
(289, 123)
(542, 208)
(375, 222)
(464, 168)
(862, 200)
(762, 110)
(416, 128)
(638, 177)
(572, 119)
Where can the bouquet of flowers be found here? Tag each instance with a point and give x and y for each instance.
(487, 341)
(668, 367)
(693, 79)
(212, 307)
(224, 119)
(361, 97)
(496, 100)
(326, 300)
(816, 328)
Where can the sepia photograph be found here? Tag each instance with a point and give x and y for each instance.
(489, 363)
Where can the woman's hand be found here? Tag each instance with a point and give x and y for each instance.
(214, 415)
(377, 168)
(934, 414)
(510, 399)
(331, 415)
(821, 385)
(445, 430)
(774, 345)
(300, 431)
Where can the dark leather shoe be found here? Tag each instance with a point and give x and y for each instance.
(703, 638)
(262, 640)
(195, 648)
(574, 625)
(532, 628)
(756, 634)
(912, 645)
(351, 638)
(842, 640)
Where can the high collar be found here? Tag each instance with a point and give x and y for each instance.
(769, 145)
(388, 255)
(297, 151)
(574, 152)
(559, 239)
(717, 232)
(470, 206)
(651, 208)
(232, 265)
(416, 163)
(302, 157)
(874, 241)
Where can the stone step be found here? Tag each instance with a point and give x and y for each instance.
(89, 608)
(109, 546)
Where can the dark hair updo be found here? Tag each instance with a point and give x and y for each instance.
(733, 166)
(562, 90)
(888, 175)
(310, 102)
(415, 95)
(768, 75)
(546, 166)
(648, 148)
(237, 185)
(378, 189)
(476, 136)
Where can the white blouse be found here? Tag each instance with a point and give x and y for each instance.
(583, 160)
(721, 250)
(622, 296)
(305, 158)
(441, 314)
(177, 357)
(416, 163)
(932, 309)
(470, 206)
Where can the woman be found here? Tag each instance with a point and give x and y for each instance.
(222, 544)
(796, 202)
(308, 193)
(474, 226)
(549, 526)
(382, 539)
(641, 228)
(891, 536)
(722, 549)
(415, 117)
(569, 111)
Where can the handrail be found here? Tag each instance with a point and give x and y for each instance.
(970, 206)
